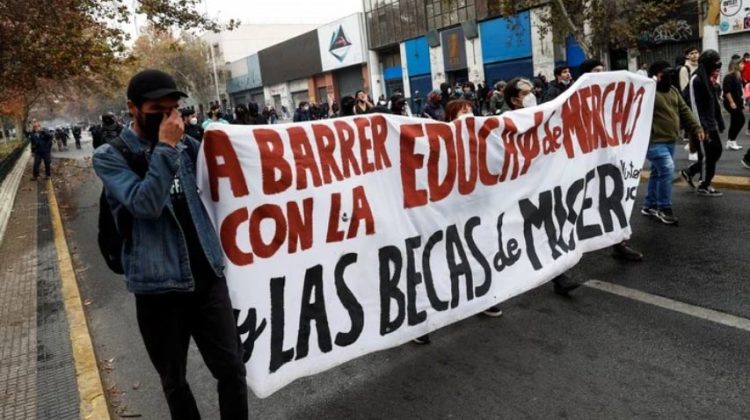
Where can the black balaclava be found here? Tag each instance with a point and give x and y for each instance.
(708, 62)
(665, 84)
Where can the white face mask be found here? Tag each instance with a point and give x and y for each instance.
(529, 100)
(194, 121)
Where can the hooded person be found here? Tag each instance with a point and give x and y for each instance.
(192, 128)
(433, 108)
(241, 116)
(705, 105)
(254, 115)
(347, 106)
(445, 94)
(398, 105)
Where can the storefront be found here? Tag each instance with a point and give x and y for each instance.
(418, 69)
(343, 52)
(734, 29)
(506, 48)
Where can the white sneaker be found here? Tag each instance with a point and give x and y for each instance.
(693, 157)
(732, 145)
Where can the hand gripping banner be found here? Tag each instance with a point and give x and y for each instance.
(347, 236)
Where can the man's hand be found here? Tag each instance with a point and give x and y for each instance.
(171, 129)
(701, 136)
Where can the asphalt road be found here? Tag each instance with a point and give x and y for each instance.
(595, 355)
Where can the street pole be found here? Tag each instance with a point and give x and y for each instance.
(216, 77)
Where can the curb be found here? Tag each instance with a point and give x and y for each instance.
(719, 181)
(93, 404)
(9, 188)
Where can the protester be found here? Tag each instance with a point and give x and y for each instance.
(255, 117)
(302, 113)
(433, 108)
(691, 66)
(705, 105)
(592, 65)
(190, 122)
(77, 136)
(382, 101)
(62, 139)
(335, 110)
(347, 106)
(399, 106)
(454, 110)
(41, 146)
(363, 104)
(241, 115)
(562, 81)
(670, 112)
(106, 131)
(215, 116)
(445, 94)
(172, 258)
(482, 93)
(734, 102)
(496, 100)
(469, 94)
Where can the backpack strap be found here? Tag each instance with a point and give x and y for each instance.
(136, 161)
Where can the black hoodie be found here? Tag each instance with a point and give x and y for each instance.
(706, 102)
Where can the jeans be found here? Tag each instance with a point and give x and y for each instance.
(38, 158)
(168, 320)
(711, 149)
(661, 158)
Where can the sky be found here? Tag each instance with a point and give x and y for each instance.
(273, 11)
(282, 11)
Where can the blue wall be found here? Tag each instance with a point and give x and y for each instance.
(417, 56)
(506, 70)
(506, 39)
(573, 52)
(392, 73)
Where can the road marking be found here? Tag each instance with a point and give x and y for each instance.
(673, 305)
(92, 403)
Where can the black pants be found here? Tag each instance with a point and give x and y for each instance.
(38, 158)
(167, 321)
(78, 142)
(736, 122)
(710, 149)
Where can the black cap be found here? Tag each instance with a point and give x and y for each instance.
(186, 112)
(152, 84)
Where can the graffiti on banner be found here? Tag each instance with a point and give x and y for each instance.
(343, 237)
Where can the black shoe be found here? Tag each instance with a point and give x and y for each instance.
(425, 339)
(687, 178)
(623, 251)
(564, 285)
(709, 191)
(649, 211)
(744, 162)
(667, 217)
(494, 312)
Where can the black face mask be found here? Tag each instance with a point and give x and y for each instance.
(150, 123)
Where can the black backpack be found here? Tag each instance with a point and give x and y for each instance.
(111, 240)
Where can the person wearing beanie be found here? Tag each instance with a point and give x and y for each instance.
(670, 113)
(592, 65)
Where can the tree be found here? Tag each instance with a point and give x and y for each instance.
(47, 44)
(596, 24)
(183, 57)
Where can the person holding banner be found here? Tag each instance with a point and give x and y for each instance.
(454, 110)
(172, 260)
(670, 112)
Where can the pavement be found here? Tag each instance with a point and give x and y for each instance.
(663, 338)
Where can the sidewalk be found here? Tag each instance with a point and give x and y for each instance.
(46, 371)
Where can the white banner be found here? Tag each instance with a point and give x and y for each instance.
(343, 237)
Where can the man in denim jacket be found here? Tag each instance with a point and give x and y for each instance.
(172, 259)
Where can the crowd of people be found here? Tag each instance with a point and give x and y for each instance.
(173, 261)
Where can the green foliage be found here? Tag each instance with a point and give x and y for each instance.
(596, 24)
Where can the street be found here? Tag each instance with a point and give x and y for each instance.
(594, 355)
